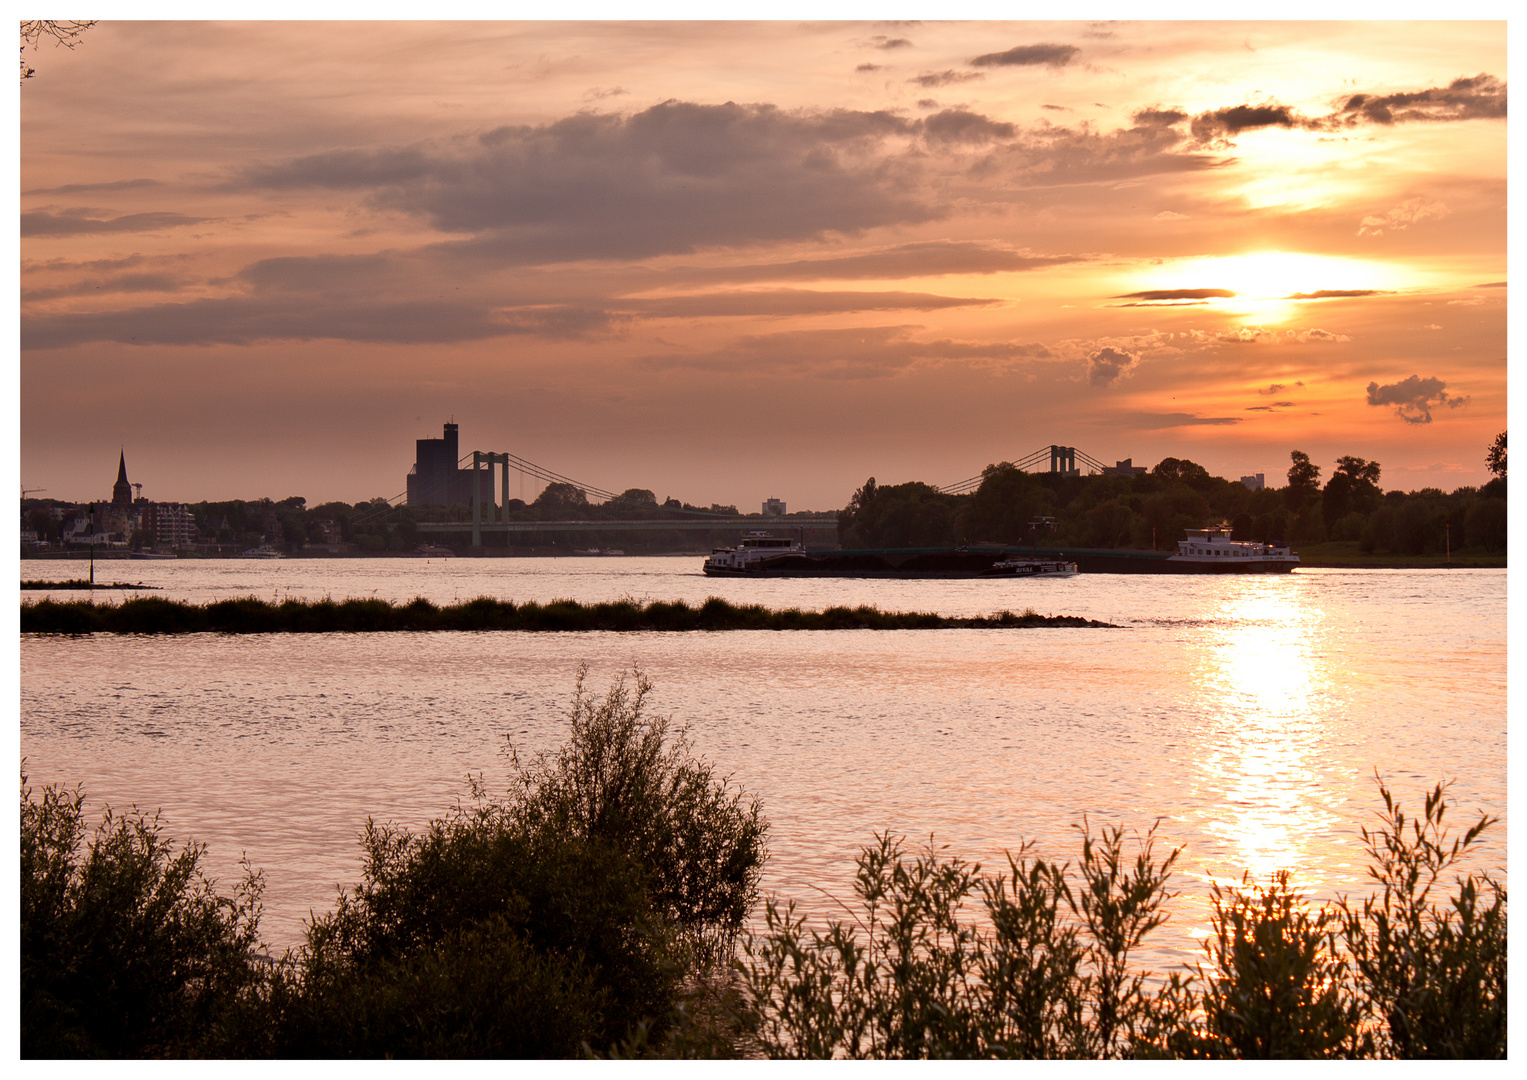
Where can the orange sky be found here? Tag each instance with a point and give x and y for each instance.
(728, 261)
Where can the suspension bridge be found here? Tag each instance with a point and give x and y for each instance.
(492, 518)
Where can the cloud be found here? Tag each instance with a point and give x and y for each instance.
(785, 302)
(1401, 217)
(854, 353)
(1273, 389)
(880, 41)
(1414, 398)
(243, 320)
(870, 67)
(1108, 364)
(1314, 333)
(1480, 97)
(962, 126)
(1055, 56)
(670, 179)
(1171, 296)
(1222, 124)
(1491, 285)
(931, 79)
(1158, 117)
(111, 185)
(1156, 421)
(931, 258)
(124, 283)
(1337, 294)
(1167, 215)
(79, 222)
(1058, 108)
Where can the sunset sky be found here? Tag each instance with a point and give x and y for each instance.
(728, 261)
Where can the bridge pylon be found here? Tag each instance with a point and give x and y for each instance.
(501, 512)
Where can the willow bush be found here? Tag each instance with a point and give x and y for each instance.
(940, 960)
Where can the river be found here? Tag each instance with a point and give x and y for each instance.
(1248, 715)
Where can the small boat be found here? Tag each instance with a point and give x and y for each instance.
(431, 551)
(264, 551)
(1032, 568)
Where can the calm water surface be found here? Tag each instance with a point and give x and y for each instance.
(1247, 715)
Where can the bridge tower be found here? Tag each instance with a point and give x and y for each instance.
(1063, 460)
(499, 513)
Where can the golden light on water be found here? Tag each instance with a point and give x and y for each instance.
(1258, 692)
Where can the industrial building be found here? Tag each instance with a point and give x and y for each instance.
(436, 479)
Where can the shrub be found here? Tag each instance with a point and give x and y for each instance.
(127, 950)
(1050, 978)
(1434, 974)
(1048, 971)
(575, 914)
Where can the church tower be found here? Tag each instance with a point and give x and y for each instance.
(122, 491)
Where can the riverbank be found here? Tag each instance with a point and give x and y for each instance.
(1346, 554)
(80, 583)
(152, 615)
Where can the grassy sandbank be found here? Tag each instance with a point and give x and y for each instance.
(249, 615)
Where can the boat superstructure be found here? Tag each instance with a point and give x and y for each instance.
(1212, 550)
(748, 556)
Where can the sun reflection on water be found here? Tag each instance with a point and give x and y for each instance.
(1259, 690)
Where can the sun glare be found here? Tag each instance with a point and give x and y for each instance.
(1269, 286)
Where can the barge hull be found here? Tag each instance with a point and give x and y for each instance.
(978, 563)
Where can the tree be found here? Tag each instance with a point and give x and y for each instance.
(1181, 469)
(1303, 480)
(1496, 458)
(640, 496)
(65, 32)
(562, 497)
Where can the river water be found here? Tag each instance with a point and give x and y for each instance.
(1248, 715)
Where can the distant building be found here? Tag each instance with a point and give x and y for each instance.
(774, 508)
(170, 524)
(1254, 482)
(1125, 468)
(435, 479)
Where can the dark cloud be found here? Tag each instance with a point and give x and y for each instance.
(1158, 117)
(1337, 294)
(1479, 98)
(1058, 108)
(1414, 398)
(80, 189)
(1225, 123)
(93, 266)
(125, 283)
(1270, 408)
(933, 258)
(1054, 56)
(670, 179)
(869, 67)
(245, 320)
(880, 41)
(784, 302)
(854, 353)
(1108, 364)
(1053, 156)
(931, 79)
(962, 126)
(1175, 294)
(78, 222)
(1491, 285)
(1156, 421)
(1482, 97)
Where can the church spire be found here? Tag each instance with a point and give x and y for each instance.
(122, 491)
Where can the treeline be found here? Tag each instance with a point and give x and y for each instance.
(598, 908)
(1152, 510)
(251, 615)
